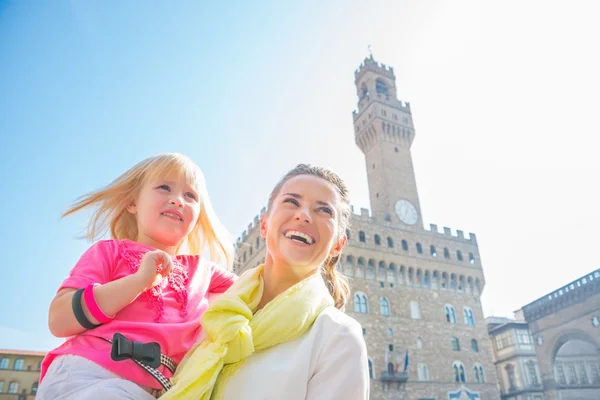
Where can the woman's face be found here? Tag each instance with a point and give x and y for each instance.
(301, 227)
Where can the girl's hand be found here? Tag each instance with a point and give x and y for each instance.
(154, 267)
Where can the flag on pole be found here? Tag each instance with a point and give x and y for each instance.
(406, 361)
(397, 363)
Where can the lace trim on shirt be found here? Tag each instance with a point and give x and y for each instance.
(177, 280)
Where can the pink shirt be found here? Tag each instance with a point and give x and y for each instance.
(168, 314)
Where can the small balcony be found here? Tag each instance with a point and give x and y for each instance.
(397, 377)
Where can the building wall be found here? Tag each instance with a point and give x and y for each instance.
(21, 368)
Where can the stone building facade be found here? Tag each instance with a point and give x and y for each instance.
(415, 290)
(551, 350)
(19, 374)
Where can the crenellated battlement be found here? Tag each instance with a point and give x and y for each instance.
(447, 232)
(251, 227)
(369, 64)
(365, 215)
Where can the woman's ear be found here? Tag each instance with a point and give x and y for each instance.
(337, 248)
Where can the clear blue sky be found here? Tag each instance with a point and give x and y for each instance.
(504, 114)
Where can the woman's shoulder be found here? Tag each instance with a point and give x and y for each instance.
(335, 322)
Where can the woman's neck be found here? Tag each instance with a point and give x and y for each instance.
(279, 277)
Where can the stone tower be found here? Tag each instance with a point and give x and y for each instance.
(384, 131)
(415, 291)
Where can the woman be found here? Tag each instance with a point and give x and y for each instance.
(278, 332)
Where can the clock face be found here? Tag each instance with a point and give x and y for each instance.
(407, 212)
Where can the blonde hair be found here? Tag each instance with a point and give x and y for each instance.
(337, 283)
(112, 201)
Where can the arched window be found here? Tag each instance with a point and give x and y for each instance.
(433, 251)
(364, 92)
(459, 255)
(19, 364)
(479, 376)
(257, 242)
(455, 344)
(423, 372)
(377, 240)
(348, 234)
(1, 386)
(390, 242)
(13, 387)
(471, 258)
(450, 314)
(390, 369)
(361, 236)
(391, 275)
(468, 314)
(371, 269)
(371, 374)
(384, 307)
(415, 311)
(361, 304)
(34, 388)
(459, 372)
(419, 343)
(4, 363)
(474, 346)
(426, 279)
(404, 245)
(452, 282)
(419, 248)
(446, 252)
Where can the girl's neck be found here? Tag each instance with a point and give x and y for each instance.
(279, 276)
(148, 241)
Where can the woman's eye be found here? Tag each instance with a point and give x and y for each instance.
(291, 200)
(327, 210)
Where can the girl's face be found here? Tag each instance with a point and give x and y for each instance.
(166, 210)
(301, 227)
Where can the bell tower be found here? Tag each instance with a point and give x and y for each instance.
(384, 131)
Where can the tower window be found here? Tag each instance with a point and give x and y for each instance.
(391, 347)
(405, 245)
(348, 233)
(471, 258)
(432, 251)
(377, 240)
(381, 87)
(390, 242)
(361, 236)
(459, 255)
(419, 248)
(446, 253)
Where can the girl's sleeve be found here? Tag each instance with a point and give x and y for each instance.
(221, 279)
(94, 266)
(342, 371)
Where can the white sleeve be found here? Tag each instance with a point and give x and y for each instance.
(342, 370)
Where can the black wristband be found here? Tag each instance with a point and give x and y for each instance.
(78, 311)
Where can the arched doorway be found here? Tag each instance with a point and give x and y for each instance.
(576, 367)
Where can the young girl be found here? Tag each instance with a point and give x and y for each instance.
(131, 306)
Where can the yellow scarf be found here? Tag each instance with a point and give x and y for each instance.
(233, 332)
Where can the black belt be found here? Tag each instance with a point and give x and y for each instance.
(146, 355)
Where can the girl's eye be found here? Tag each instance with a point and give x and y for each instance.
(165, 187)
(191, 195)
